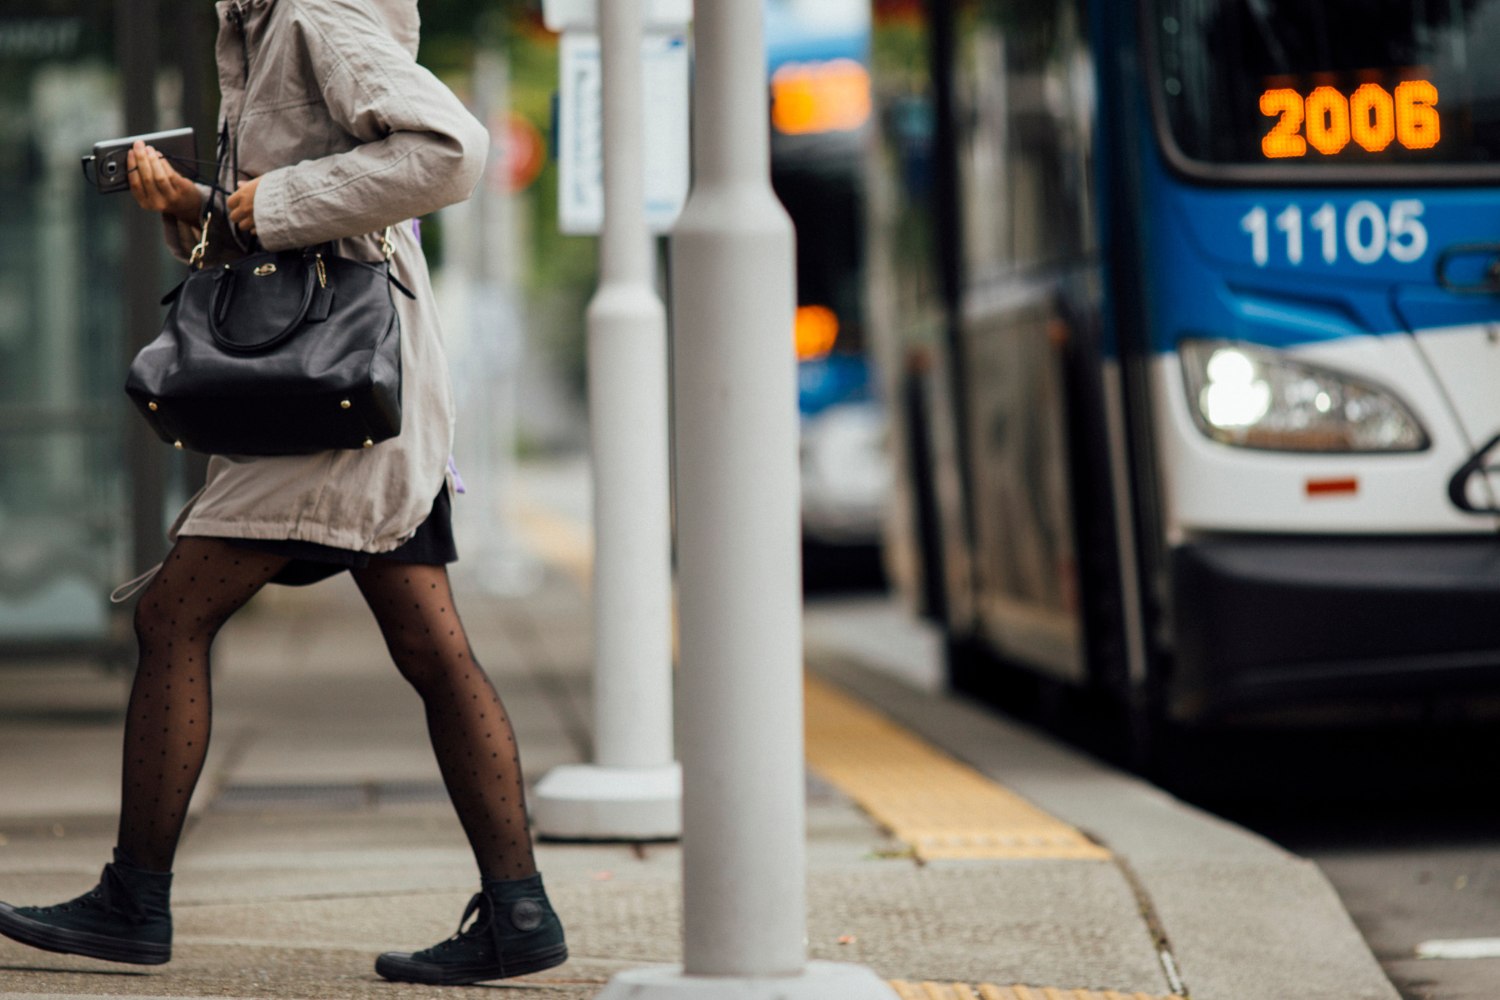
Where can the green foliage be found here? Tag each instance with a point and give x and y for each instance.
(452, 29)
(899, 54)
(560, 271)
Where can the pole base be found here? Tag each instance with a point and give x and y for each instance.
(586, 802)
(819, 981)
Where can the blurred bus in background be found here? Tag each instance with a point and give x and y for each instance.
(818, 54)
(1189, 311)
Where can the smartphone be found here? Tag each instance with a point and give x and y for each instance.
(106, 167)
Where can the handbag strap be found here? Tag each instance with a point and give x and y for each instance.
(229, 146)
(200, 250)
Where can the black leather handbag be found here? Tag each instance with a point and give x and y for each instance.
(283, 353)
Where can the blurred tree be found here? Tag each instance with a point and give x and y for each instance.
(560, 272)
(452, 29)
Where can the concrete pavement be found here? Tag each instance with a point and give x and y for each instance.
(320, 835)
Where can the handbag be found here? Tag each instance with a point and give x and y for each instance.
(279, 353)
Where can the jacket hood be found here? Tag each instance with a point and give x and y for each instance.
(401, 17)
(402, 20)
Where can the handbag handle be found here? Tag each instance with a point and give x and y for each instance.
(200, 251)
(293, 313)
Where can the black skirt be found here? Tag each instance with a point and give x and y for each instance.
(432, 545)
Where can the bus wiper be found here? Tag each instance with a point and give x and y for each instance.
(1261, 11)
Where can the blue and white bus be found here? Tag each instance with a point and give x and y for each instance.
(1194, 310)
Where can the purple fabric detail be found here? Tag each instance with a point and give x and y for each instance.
(416, 230)
(458, 481)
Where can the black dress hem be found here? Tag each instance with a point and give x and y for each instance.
(432, 545)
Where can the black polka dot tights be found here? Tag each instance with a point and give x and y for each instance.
(201, 584)
(470, 732)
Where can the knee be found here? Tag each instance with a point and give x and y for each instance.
(425, 668)
(413, 663)
(160, 619)
(153, 620)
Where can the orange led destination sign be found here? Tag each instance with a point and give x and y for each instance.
(1330, 122)
(831, 96)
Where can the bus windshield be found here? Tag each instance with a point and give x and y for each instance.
(1301, 86)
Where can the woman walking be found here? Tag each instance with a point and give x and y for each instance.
(334, 134)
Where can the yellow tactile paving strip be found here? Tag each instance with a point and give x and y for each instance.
(940, 808)
(988, 991)
(557, 540)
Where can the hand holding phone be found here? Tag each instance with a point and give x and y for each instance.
(158, 187)
(108, 170)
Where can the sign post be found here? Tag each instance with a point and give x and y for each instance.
(664, 71)
(633, 790)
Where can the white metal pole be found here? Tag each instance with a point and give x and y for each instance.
(634, 788)
(744, 865)
(740, 719)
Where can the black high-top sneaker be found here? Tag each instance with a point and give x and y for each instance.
(514, 932)
(125, 918)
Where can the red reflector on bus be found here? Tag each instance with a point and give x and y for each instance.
(1332, 487)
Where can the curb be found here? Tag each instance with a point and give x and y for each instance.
(1238, 917)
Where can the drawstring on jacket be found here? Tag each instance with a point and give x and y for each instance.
(130, 588)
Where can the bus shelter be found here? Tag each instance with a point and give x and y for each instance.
(84, 492)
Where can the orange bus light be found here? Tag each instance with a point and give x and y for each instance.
(817, 330)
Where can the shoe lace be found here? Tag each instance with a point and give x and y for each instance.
(111, 895)
(65, 907)
(483, 923)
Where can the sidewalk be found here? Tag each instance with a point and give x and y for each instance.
(321, 835)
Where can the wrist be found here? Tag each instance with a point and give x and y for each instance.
(189, 207)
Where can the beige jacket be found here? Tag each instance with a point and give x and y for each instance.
(347, 135)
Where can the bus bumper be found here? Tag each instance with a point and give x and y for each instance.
(1268, 622)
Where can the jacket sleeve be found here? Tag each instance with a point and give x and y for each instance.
(419, 148)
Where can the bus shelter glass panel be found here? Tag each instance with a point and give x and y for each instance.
(64, 515)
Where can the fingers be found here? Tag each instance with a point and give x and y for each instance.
(238, 213)
(150, 169)
(133, 176)
(152, 179)
(158, 187)
(242, 206)
(166, 174)
(135, 161)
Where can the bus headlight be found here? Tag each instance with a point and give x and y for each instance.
(1255, 397)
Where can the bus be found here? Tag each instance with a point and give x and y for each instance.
(1190, 314)
(818, 77)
